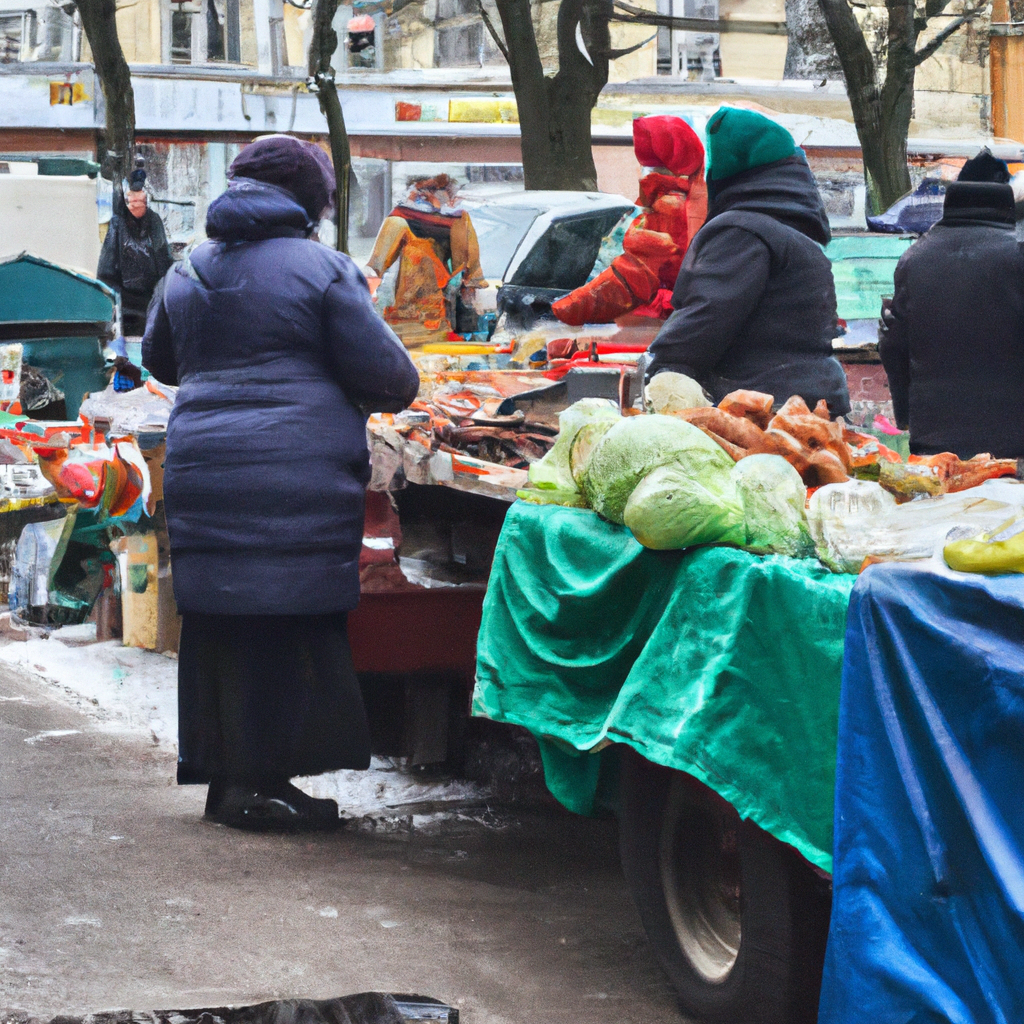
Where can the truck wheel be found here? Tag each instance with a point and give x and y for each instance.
(738, 919)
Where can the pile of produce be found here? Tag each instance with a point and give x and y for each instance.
(743, 425)
(825, 451)
(741, 474)
(461, 416)
(669, 483)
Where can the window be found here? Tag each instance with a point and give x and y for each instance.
(181, 36)
(564, 255)
(12, 31)
(204, 30)
(361, 42)
(499, 230)
(215, 34)
(47, 32)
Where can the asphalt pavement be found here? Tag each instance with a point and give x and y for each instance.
(114, 893)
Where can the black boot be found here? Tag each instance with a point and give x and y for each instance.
(269, 805)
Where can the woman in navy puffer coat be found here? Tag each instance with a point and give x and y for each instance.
(279, 355)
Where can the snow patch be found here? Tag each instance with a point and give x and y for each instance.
(50, 734)
(389, 789)
(119, 688)
(131, 690)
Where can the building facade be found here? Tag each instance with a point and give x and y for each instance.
(427, 88)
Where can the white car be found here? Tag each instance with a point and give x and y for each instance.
(537, 246)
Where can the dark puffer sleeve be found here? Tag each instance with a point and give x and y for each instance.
(109, 268)
(894, 350)
(161, 247)
(157, 344)
(718, 288)
(371, 363)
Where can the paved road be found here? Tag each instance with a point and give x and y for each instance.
(114, 893)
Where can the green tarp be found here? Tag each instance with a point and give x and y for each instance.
(714, 661)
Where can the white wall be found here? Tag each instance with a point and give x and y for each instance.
(51, 217)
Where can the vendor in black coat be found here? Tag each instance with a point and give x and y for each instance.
(953, 339)
(279, 355)
(135, 254)
(755, 303)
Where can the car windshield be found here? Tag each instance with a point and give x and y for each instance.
(564, 256)
(500, 229)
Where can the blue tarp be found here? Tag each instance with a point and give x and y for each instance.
(928, 912)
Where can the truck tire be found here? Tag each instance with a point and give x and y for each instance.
(738, 919)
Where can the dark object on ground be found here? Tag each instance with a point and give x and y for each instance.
(364, 1008)
(272, 805)
(915, 213)
(38, 397)
(263, 696)
(755, 301)
(738, 919)
(276, 345)
(951, 343)
(929, 838)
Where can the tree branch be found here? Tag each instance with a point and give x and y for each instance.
(932, 45)
(630, 15)
(489, 25)
(596, 35)
(854, 54)
(382, 6)
(571, 61)
(100, 26)
(615, 54)
(523, 54)
(323, 44)
(933, 8)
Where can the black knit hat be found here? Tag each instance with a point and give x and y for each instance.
(302, 168)
(137, 179)
(985, 167)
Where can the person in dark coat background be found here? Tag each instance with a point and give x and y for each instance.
(953, 338)
(755, 302)
(279, 355)
(135, 254)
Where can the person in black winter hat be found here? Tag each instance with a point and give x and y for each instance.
(279, 355)
(953, 339)
(135, 253)
(985, 167)
(755, 302)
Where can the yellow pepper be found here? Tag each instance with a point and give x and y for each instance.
(987, 555)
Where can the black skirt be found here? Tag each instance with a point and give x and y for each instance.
(267, 696)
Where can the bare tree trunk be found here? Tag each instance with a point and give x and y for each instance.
(810, 53)
(882, 115)
(322, 47)
(554, 112)
(100, 25)
(891, 175)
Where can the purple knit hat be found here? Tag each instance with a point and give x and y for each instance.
(302, 168)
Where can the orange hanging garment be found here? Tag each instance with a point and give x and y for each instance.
(674, 205)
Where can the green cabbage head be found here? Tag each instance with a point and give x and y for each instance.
(637, 445)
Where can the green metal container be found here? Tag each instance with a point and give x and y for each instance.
(62, 319)
(863, 268)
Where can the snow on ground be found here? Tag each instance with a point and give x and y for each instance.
(124, 689)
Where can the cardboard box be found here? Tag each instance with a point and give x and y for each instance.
(149, 615)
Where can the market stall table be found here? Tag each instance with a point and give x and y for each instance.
(714, 661)
(700, 675)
